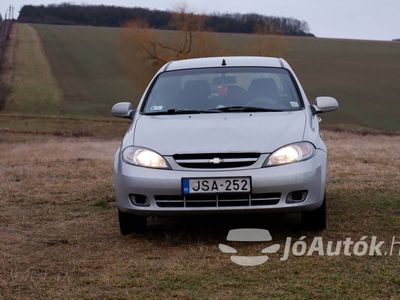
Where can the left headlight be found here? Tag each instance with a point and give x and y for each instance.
(290, 154)
(144, 158)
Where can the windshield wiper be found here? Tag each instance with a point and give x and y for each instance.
(244, 109)
(175, 111)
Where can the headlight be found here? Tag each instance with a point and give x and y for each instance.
(290, 154)
(144, 158)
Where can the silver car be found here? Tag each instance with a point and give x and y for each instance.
(222, 135)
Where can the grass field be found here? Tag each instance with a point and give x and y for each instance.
(87, 68)
(362, 75)
(14, 128)
(59, 236)
(87, 75)
(34, 90)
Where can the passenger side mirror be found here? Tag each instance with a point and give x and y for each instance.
(123, 110)
(324, 104)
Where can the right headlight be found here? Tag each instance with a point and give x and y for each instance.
(290, 154)
(144, 158)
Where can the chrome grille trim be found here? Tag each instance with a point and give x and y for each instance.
(216, 160)
(207, 161)
(217, 200)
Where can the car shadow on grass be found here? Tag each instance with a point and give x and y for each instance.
(211, 229)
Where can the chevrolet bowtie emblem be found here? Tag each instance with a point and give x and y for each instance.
(216, 160)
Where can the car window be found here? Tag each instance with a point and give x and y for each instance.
(216, 88)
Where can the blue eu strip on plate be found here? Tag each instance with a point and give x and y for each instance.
(185, 186)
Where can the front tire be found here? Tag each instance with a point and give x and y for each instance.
(131, 223)
(316, 219)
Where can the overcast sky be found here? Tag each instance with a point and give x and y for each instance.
(352, 19)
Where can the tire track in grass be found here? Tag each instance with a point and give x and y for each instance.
(86, 64)
(33, 88)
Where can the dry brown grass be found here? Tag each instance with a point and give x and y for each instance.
(59, 236)
(362, 161)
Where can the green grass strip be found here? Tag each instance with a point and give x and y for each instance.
(33, 88)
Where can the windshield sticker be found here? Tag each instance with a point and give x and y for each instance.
(294, 104)
(156, 108)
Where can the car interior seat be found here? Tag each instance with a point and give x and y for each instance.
(194, 95)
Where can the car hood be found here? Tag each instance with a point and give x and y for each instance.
(219, 133)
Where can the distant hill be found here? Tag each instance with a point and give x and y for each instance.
(114, 16)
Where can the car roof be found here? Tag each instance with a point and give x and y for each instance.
(227, 61)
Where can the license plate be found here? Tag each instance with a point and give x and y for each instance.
(216, 185)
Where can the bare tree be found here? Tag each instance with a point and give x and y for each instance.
(145, 50)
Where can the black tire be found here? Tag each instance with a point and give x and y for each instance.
(316, 219)
(131, 223)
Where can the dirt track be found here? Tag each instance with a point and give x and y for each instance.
(7, 47)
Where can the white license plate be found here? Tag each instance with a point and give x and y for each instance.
(216, 185)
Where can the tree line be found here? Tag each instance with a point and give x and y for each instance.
(114, 16)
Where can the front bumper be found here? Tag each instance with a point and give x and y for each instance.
(159, 188)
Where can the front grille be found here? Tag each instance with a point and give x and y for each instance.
(216, 160)
(218, 200)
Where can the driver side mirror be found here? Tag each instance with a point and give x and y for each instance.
(123, 110)
(324, 104)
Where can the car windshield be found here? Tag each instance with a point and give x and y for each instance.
(212, 90)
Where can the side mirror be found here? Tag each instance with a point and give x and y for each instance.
(123, 110)
(324, 104)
